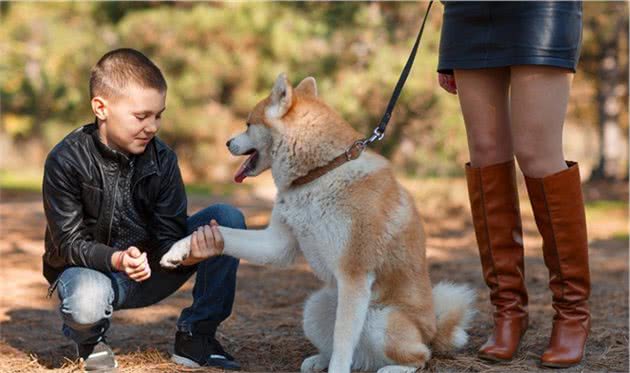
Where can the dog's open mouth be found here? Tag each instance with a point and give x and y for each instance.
(247, 166)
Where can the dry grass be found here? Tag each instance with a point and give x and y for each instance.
(264, 331)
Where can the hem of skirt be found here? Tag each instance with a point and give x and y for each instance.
(447, 66)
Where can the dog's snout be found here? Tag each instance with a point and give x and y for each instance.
(228, 143)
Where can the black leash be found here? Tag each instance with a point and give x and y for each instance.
(355, 150)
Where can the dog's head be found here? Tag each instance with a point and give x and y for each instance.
(262, 122)
(286, 127)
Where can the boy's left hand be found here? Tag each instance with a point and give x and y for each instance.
(205, 242)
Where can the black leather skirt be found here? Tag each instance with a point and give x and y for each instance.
(477, 35)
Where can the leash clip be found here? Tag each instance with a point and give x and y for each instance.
(355, 150)
(377, 135)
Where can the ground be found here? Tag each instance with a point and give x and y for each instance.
(265, 332)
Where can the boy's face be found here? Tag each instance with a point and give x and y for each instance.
(130, 120)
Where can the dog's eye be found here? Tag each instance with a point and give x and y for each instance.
(248, 124)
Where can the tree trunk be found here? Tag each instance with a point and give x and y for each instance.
(613, 146)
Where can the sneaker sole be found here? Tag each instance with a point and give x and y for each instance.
(184, 361)
(177, 359)
(100, 370)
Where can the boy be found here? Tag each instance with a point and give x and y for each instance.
(115, 202)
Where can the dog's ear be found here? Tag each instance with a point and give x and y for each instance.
(308, 86)
(281, 97)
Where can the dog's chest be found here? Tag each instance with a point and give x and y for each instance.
(320, 227)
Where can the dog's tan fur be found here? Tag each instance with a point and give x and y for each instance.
(361, 233)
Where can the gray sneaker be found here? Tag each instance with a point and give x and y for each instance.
(97, 357)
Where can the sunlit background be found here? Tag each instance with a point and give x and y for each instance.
(219, 59)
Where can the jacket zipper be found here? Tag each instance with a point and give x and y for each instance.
(111, 219)
(133, 187)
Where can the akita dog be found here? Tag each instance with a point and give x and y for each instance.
(358, 229)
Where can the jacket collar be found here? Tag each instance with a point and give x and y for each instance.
(144, 163)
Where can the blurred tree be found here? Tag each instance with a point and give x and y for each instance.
(114, 11)
(220, 58)
(47, 55)
(605, 59)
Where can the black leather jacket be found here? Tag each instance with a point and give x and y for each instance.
(80, 179)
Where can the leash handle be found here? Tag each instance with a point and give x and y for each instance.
(379, 131)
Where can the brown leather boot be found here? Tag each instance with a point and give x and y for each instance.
(559, 211)
(496, 217)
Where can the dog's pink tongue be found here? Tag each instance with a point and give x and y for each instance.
(240, 173)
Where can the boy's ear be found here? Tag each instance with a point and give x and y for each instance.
(99, 107)
(308, 86)
(281, 98)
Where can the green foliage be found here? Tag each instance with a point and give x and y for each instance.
(31, 182)
(221, 58)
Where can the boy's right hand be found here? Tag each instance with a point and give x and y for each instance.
(133, 263)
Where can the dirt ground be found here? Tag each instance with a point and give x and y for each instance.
(265, 333)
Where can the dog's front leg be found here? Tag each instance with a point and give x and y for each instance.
(272, 245)
(353, 298)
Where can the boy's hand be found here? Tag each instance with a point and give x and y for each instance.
(133, 263)
(205, 242)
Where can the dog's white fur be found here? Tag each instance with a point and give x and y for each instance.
(360, 232)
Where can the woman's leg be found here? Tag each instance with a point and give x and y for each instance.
(538, 105)
(494, 204)
(539, 102)
(483, 97)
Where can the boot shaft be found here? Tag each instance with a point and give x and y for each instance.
(558, 208)
(496, 217)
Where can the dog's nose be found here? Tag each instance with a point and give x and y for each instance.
(228, 143)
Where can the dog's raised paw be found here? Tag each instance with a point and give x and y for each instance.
(176, 254)
(315, 363)
(171, 261)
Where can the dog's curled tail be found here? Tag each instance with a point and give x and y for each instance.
(454, 310)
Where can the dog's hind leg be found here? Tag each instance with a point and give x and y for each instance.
(353, 297)
(319, 326)
(404, 343)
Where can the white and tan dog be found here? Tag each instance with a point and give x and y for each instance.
(358, 229)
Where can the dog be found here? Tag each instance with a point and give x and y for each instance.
(359, 230)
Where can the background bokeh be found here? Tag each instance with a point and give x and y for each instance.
(221, 58)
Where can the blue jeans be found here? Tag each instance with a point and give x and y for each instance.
(89, 297)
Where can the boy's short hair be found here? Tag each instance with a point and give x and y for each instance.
(113, 72)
